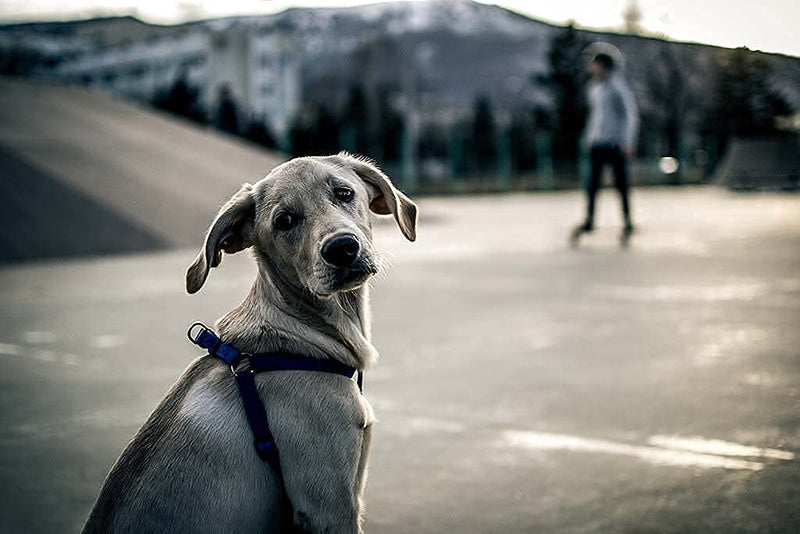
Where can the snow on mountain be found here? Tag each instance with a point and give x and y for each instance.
(452, 50)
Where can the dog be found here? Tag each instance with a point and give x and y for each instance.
(192, 466)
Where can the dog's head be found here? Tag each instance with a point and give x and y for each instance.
(309, 220)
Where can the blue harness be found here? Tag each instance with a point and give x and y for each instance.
(244, 366)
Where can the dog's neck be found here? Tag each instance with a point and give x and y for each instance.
(279, 316)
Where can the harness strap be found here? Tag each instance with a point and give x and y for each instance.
(265, 363)
(257, 416)
(244, 366)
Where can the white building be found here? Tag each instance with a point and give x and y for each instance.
(274, 80)
(259, 66)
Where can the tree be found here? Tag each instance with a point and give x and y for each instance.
(745, 103)
(18, 58)
(667, 85)
(181, 98)
(632, 18)
(483, 136)
(381, 69)
(259, 132)
(566, 83)
(354, 122)
(314, 131)
(522, 133)
(390, 126)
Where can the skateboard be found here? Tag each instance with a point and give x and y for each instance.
(575, 235)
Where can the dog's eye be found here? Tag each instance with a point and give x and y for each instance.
(345, 194)
(286, 221)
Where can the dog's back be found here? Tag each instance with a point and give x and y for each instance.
(183, 472)
(192, 466)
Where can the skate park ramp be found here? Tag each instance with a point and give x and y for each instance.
(766, 164)
(84, 174)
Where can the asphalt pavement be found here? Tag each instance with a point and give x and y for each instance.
(523, 386)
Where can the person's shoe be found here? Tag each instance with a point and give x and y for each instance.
(625, 236)
(584, 228)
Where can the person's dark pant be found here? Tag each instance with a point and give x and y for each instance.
(600, 157)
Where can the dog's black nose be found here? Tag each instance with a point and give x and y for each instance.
(341, 250)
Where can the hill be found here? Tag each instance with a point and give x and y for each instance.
(453, 50)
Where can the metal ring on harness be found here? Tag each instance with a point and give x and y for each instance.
(244, 361)
(203, 328)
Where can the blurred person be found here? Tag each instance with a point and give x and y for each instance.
(227, 114)
(610, 134)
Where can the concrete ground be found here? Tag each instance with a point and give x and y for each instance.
(523, 386)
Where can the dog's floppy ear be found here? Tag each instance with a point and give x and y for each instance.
(388, 200)
(231, 231)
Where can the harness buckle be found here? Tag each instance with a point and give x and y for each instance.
(242, 364)
(194, 338)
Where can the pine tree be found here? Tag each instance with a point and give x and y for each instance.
(745, 104)
(566, 82)
(354, 122)
(667, 85)
(314, 131)
(181, 98)
(390, 127)
(632, 18)
(483, 136)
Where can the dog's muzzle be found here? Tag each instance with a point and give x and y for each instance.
(350, 265)
(341, 250)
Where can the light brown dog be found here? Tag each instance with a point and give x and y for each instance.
(192, 466)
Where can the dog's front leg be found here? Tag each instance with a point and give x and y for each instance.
(323, 442)
(325, 492)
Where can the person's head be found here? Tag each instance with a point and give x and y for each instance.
(601, 66)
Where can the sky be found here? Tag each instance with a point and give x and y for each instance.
(768, 25)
